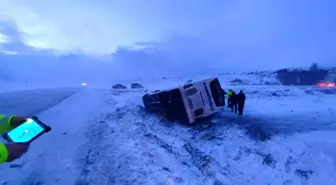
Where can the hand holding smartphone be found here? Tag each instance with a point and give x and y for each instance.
(27, 132)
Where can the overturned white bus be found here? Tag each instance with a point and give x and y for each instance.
(187, 103)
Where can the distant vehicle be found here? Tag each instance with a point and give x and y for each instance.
(236, 82)
(187, 103)
(326, 84)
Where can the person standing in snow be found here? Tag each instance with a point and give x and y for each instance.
(11, 151)
(241, 97)
(233, 102)
(229, 93)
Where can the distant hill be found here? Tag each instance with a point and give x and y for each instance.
(294, 76)
(301, 76)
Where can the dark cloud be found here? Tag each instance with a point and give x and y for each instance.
(15, 38)
(250, 35)
(242, 36)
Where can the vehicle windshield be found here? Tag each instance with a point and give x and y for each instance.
(217, 93)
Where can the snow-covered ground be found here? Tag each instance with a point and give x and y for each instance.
(99, 136)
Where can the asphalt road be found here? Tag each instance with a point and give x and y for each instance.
(33, 102)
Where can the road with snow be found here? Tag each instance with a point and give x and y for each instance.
(104, 137)
(32, 102)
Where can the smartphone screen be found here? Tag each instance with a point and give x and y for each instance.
(25, 132)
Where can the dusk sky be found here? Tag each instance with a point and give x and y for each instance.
(258, 33)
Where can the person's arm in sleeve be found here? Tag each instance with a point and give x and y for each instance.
(3, 153)
(5, 123)
(11, 151)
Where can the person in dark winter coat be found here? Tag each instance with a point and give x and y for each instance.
(241, 97)
(234, 102)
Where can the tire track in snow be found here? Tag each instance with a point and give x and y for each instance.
(94, 166)
(206, 164)
(90, 171)
(128, 156)
(97, 165)
(127, 166)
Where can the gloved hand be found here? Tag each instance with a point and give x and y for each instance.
(15, 150)
(18, 120)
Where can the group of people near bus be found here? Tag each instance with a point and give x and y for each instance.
(236, 101)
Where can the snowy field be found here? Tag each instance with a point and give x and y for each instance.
(286, 137)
